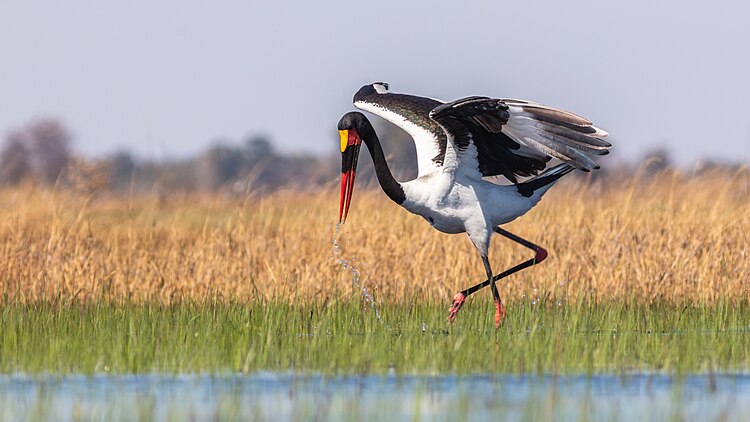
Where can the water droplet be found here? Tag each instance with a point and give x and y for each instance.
(348, 264)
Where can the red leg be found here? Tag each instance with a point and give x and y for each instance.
(460, 297)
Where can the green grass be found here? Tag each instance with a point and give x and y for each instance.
(343, 337)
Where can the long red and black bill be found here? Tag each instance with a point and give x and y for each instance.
(350, 144)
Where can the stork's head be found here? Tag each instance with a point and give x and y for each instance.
(350, 129)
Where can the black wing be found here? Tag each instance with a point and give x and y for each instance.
(518, 138)
(412, 114)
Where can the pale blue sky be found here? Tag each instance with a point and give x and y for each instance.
(166, 78)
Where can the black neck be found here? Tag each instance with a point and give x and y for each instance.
(390, 185)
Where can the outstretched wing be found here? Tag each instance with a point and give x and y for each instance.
(410, 113)
(517, 138)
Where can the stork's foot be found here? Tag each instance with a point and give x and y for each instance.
(499, 313)
(458, 302)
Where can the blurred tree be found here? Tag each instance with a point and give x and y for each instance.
(220, 165)
(86, 176)
(15, 159)
(257, 149)
(49, 142)
(656, 161)
(121, 167)
(171, 176)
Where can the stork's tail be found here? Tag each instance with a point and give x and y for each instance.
(544, 181)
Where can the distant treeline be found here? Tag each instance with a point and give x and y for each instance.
(40, 154)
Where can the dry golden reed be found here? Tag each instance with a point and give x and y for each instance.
(669, 238)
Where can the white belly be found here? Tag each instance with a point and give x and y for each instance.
(445, 223)
(459, 206)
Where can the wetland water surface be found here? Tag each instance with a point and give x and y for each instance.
(266, 396)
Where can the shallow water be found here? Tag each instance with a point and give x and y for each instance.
(266, 396)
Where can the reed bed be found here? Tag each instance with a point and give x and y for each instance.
(671, 238)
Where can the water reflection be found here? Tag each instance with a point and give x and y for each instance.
(272, 396)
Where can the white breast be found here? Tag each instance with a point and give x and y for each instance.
(457, 205)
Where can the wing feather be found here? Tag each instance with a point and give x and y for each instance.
(508, 137)
(535, 131)
(410, 113)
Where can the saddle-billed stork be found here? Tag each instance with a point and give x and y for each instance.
(458, 145)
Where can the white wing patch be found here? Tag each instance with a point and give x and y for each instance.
(461, 162)
(426, 143)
